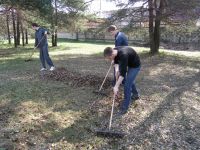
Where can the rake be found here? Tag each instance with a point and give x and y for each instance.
(109, 133)
(99, 91)
(30, 57)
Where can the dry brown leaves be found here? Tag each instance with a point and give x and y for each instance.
(76, 79)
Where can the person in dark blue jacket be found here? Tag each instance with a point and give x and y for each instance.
(120, 40)
(42, 44)
(120, 37)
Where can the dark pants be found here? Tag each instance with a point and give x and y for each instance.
(129, 87)
(44, 56)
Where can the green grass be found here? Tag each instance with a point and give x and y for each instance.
(42, 114)
(31, 98)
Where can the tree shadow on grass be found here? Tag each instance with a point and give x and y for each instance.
(9, 52)
(178, 131)
(81, 133)
(61, 48)
(165, 72)
(174, 124)
(182, 130)
(7, 110)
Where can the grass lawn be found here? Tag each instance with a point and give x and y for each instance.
(39, 113)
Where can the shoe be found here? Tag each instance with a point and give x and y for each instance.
(134, 98)
(43, 69)
(121, 112)
(52, 68)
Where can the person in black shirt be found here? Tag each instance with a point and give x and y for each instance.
(127, 66)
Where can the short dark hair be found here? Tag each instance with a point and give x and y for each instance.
(35, 25)
(107, 51)
(112, 28)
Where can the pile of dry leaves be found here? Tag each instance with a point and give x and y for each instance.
(76, 79)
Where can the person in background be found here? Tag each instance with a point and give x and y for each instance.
(120, 40)
(120, 37)
(42, 44)
(127, 66)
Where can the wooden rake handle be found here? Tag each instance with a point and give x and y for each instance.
(36, 47)
(111, 114)
(39, 42)
(105, 77)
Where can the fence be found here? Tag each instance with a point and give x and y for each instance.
(98, 37)
(137, 39)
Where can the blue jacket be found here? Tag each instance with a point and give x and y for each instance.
(121, 39)
(40, 38)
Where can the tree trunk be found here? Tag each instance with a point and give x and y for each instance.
(53, 40)
(23, 43)
(26, 32)
(18, 28)
(56, 38)
(52, 36)
(157, 35)
(85, 36)
(77, 37)
(56, 23)
(151, 27)
(8, 28)
(159, 11)
(14, 29)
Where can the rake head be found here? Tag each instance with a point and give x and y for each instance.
(100, 93)
(28, 60)
(109, 134)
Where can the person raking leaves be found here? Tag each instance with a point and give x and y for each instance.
(127, 65)
(42, 44)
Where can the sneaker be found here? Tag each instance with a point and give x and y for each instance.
(43, 69)
(52, 68)
(121, 112)
(134, 98)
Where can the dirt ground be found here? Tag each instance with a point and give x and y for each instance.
(66, 113)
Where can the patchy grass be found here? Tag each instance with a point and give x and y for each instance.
(39, 113)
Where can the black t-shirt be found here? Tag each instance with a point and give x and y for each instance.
(126, 57)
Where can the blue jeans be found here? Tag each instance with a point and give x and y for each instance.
(129, 87)
(44, 56)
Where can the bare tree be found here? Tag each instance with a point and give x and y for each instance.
(14, 28)
(22, 30)
(8, 27)
(157, 12)
(26, 33)
(56, 22)
(18, 26)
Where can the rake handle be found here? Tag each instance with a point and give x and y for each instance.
(111, 114)
(105, 77)
(36, 46)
